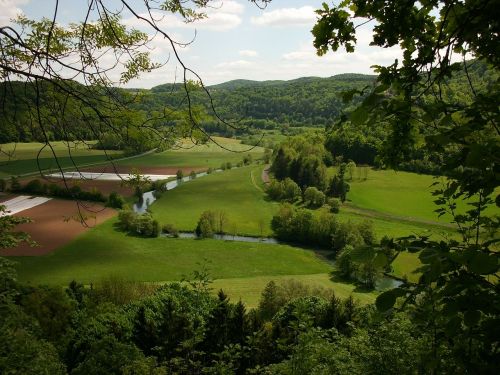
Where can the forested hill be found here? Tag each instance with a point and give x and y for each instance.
(307, 101)
(302, 102)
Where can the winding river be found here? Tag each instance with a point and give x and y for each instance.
(149, 197)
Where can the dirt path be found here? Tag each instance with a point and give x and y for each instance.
(265, 174)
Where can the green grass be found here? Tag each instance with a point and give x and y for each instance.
(202, 156)
(21, 158)
(241, 269)
(104, 251)
(400, 193)
(249, 289)
(233, 191)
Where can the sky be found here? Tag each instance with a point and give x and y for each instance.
(237, 40)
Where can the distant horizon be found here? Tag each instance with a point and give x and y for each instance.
(255, 80)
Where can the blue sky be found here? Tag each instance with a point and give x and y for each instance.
(237, 40)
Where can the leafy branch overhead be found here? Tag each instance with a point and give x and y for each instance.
(457, 292)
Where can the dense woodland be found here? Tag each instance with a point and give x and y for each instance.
(120, 327)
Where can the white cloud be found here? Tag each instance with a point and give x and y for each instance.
(286, 17)
(9, 9)
(234, 64)
(248, 53)
(221, 16)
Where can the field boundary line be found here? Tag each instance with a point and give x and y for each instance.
(109, 161)
(390, 217)
(254, 183)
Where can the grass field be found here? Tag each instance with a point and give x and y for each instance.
(241, 268)
(203, 156)
(400, 193)
(398, 204)
(21, 158)
(249, 289)
(237, 192)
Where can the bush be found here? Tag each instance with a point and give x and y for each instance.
(291, 191)
(247, 159)
(134, 223)
(192, 175)
(179, 174)
(3, 185)
(334, 204)
(345, 265)
(286, 190)
(274, 296)
(115, 200)
(35, 187)
(229, 165)
(170, 229)
(313, 197)
(15, 185)
(210, 170)
(207, 224)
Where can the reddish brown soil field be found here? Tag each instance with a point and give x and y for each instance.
(49, 228)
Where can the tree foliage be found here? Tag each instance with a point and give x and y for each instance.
(458, 290)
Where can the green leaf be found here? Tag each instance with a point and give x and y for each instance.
(453, 326)
(471, 317)
(428, 256)
(359, 116)
(386, 300)
(483, 263)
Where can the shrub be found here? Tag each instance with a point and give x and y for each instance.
(170, 229)
(3, 185)
(247, 159)
(15, 185)
(275, 190)
(210, 170)
(134, 223)
(115, 200)
(291, 191)
(179, 174)
(229, 165)
(286, 190)
(206, 225)
(313, 197)
(192, 175)
(334, 204)
(126, 219)
(35, 187)
(347, 234)
(344, 263)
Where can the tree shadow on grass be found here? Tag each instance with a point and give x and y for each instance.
(358, 287)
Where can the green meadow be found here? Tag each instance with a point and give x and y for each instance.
(21, 158)
(209, 155)
(242, 269)
(398, 204)
(239, 193)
